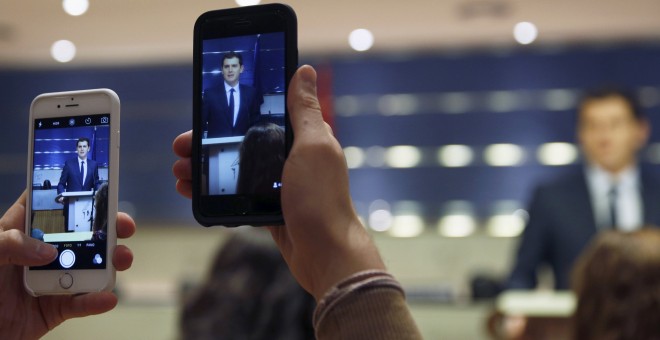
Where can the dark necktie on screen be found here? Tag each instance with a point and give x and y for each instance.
(231, 106)
(82, 167)
(612, 197)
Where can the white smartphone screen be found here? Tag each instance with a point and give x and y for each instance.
(69, 193)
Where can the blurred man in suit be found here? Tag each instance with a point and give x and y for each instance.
(80, 173)
(612, 191)
(230, 109)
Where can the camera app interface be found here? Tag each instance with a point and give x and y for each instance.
(243, 105)
(69, 209)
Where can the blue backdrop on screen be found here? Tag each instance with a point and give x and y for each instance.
(53, 147)
(263, 61)
(156, 107)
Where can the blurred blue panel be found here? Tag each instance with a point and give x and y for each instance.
(156, 107)
(531, 74)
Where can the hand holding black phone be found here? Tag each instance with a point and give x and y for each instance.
(243, 61)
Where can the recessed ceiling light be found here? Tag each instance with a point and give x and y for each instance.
(361, 39)
(63, 51)
(248, 2)
(75, 7)
(525, 32)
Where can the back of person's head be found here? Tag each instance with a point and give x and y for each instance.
(617, 283)
(101, 208)
(261, 159)
(249, 294)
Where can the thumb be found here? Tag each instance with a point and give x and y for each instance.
(303, 103)
(19, 249)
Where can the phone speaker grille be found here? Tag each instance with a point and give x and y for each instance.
(71, 105)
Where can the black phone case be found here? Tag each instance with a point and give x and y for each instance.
(236, 210)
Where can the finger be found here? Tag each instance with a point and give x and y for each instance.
(14, 218)
(19, 249)
(182, 169)
(122, 258)
(184, 188)
(182, 144)
(83, 305)
(303, 104)
(125, 225)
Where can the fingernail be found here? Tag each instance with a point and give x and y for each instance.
(46, 251)
(309, 79)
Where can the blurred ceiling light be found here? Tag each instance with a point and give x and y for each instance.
(354, 157)
(560, 99)
(403, 156)
(375, 156)
(525, 32)
(347, 106)
(557, 154)
(455, 155)
(510, 225)
(503, 101)
(247, 2)
(406, 207)
(380, 220)
(456, 225)
(63, 51)
(379, 205)
(361, 39)
(503, 155)
(397, 104)
(406, 226)
(75, 7)
(456, 102)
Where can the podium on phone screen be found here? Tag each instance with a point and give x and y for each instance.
(81, 210)
(223, 164)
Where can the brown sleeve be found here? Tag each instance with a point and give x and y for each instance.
(369, 313)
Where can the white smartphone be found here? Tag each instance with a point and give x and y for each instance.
(73, 165)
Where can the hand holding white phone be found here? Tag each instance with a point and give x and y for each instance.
(73, 164)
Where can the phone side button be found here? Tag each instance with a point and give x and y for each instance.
(66, 281)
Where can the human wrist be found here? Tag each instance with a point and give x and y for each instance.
(354, 252)
(360, 281)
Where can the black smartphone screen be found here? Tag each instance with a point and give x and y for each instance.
(244, 59)
(70, 173)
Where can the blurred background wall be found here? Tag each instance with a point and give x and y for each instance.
(447, 123)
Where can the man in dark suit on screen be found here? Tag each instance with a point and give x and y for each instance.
(80, 173)
(612, 191)
(230, 109)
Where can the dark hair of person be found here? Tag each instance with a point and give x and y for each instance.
(233, 54)
(617, 284)
(100, 226)
(261, 159)
(609, 92)
(83, 139)
(249, 294)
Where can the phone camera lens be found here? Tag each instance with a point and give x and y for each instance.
(71, 98)
(58, 106)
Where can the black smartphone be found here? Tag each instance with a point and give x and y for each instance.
(243, 61)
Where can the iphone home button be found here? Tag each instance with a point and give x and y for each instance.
(66, 281)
